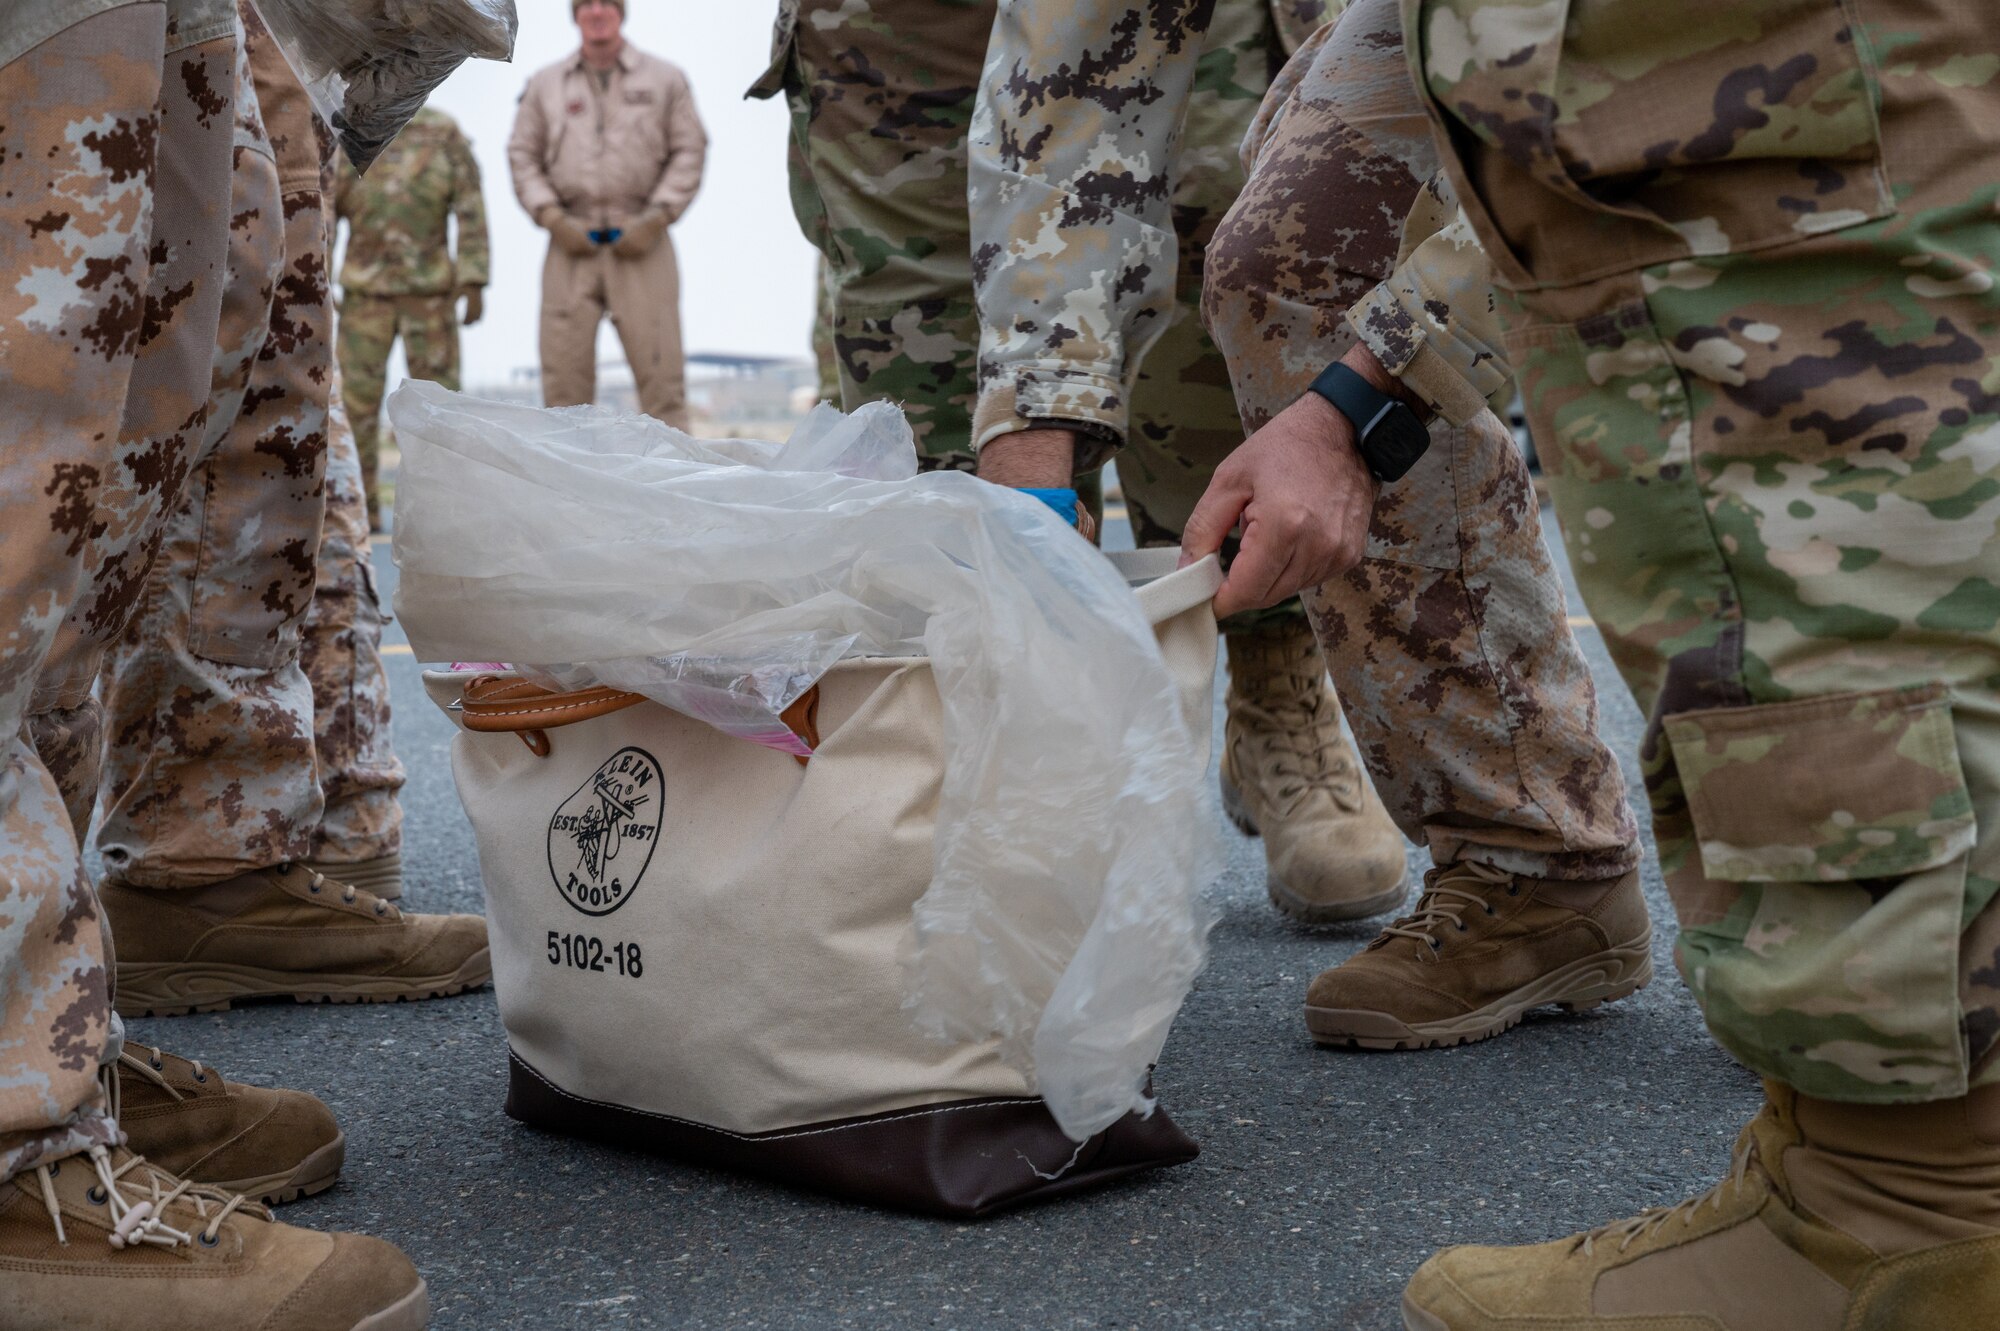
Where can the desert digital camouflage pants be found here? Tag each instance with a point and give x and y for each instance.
(368, 329)
(341, 653)
(1778, 469)
(881, 94)
(114, 190)
(209, 758)
(1450, 643)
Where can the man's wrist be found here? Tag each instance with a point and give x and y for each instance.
(1364, 363)
(1043, 458)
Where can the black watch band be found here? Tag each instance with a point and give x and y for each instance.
(1388, 434)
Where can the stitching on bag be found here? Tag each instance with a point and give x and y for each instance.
(538, 711)
(768, 1136)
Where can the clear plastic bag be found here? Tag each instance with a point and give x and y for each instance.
(368, 65)
(1064, 917)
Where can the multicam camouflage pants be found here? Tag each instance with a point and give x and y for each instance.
(1778, 470)
(881, 94)
(369, 327)
(1450, 643)
(209, 765)
(114, 185)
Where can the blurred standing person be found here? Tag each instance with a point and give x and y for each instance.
(607, 154)
(399, 277)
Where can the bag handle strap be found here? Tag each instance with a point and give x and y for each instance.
(499, 704)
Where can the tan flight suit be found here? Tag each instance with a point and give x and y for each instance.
(606, 151)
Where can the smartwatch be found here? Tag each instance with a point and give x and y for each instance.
(1388, 433)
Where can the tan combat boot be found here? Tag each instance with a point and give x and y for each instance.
(1835, 1218)
(1289, 774)
(274, 1146)
(106, 1239)
(1483, 947)
(283, 932)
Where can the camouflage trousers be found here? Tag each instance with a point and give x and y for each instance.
(881, 97)
(368, 329)
(1778, 472)
(209, 765)
(360, 776)
(114, 188)
(1450, 642)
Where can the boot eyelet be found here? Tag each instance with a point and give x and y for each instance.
(1436, 945)
(201, 1077)
(156, 1064)
(1461, 926)
(97, 1196)
(207, 1242)
(381, 908)
(313, 888)
(55, 1169)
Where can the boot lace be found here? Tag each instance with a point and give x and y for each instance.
(1297, 737)
(1650, 1221)
(151, 1068)
(140, 1196)
(1444, 905)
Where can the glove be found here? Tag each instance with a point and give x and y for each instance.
(475, 304)
(572, 236)
(642, 237)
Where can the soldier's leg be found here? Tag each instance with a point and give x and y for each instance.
(359, 839)
(1450, 641)
(80, 106)
(1287, 770)
(645, 300)
(1776, 470)
(211, 792)
(367, 332)
(429, 325)
(209, 769)
(880, 109)
(573, 304)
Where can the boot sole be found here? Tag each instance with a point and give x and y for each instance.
(1577, 987)
(313, 1175)
(1416, 1319)
(1290, 903)
(412, 1312)
(173, 989)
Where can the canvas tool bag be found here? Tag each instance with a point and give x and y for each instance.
(696, 939)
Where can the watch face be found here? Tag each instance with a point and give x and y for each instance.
(1398, 440)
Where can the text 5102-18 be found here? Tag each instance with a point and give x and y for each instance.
(584, 953)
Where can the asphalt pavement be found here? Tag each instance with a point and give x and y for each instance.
(1325, 1177)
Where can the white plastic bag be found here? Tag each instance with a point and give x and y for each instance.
(1074, 830)
(368, 65)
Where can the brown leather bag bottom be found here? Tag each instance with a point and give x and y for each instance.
(962, 1160)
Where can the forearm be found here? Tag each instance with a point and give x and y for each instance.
(1073, 240)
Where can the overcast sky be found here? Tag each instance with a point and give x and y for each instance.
(746, 275)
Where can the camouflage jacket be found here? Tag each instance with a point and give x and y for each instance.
(1584, 172)
(1103, 149)
(396, 239)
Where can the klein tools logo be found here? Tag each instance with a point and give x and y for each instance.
(601, 838)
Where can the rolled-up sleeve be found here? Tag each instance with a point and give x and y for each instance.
(1433, 322)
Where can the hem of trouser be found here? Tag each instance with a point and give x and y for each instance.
(194, 36)
(92, 1128)
(1569, 866)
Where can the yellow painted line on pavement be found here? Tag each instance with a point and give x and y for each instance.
(1582, 622)
(396, 649)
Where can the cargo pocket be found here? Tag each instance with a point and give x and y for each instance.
(1847, 824)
